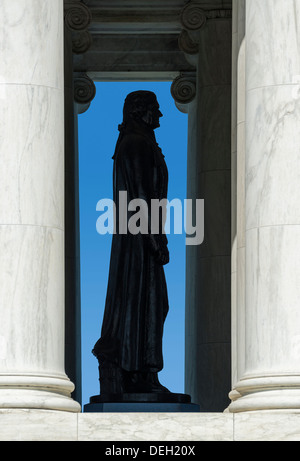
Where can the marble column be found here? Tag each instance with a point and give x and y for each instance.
(72, 234)
(238, 193)
(207, 39)
(32, 371)
(77, 40)
(271, 377)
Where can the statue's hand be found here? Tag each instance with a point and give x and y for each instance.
(158, 247)
(162, 257)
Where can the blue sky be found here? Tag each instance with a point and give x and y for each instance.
(98, 133)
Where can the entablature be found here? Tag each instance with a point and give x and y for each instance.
(140, 40)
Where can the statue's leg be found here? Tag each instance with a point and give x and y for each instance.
(134, 382)
(111, 379)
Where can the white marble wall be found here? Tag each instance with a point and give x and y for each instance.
(32, 206)
(272, 214)
(162, 428)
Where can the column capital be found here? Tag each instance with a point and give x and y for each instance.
(77, 19)
(84, 91)
(184, 90)
(194, 19)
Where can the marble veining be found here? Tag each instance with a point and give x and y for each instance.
(275, 24)
(272, 295)
(31, 42)
(155, 426)
(32, 150)
(32, 289)
(272, 160)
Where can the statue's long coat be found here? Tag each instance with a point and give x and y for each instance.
(137, 300)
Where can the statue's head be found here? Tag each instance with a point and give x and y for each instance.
(142, 106)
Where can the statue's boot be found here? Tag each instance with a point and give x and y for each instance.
(156, 386)
(138, 382)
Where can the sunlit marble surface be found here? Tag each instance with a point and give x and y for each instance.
(33, 284)
(32, 206)
(43, 425)
(271, 377)
(32, 150)
(29, 33)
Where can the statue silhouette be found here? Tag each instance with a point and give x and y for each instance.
(129, 350)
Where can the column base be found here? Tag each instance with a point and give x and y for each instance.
(279, 393)
(37, 392)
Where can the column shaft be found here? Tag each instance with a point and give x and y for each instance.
(72, 231)
(271, 379)
(238, 193)
(32, 323)
(208, 372)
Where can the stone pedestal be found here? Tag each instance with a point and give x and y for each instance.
(271, 375)
(144, 403)
(32, 371)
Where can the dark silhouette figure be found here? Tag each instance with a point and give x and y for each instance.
(129, 350)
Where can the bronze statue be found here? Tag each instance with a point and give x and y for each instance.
(129, 350)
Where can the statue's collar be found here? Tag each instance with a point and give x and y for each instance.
(137, 127)
(141, 129)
